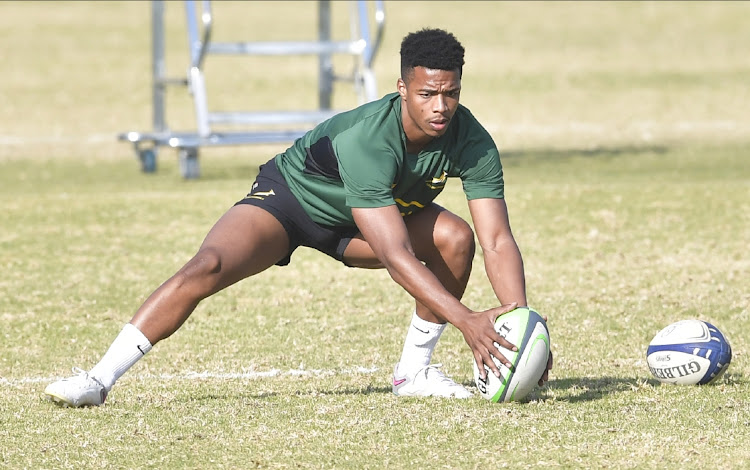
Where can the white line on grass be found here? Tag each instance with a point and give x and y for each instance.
(244, 375)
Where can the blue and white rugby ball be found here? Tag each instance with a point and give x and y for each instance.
(689, 352)
(527, 330)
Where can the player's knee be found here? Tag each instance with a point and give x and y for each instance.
(202, 266)
(456, 240)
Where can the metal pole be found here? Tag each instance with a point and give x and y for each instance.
(158, 65)
(325, 76)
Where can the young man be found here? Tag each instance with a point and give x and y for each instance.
(360, 188)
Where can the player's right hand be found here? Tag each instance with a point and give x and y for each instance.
(479, 333)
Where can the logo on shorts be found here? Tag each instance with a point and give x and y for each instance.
(261, 194)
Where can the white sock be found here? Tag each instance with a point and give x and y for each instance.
(420, 341)
(129, 346)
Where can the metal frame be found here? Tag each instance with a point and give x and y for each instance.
(362, 45)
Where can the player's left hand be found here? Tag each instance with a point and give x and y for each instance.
(545, 376)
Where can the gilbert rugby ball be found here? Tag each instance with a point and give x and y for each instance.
(688, 352)
(527, 330)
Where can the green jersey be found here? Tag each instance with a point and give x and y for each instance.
(358, 159)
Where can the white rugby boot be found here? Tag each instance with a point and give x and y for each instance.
(81, 389)
(428, 381)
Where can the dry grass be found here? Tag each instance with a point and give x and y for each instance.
(624, 129)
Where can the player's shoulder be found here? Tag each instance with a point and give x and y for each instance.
(374, 111)
(373, 125)
(363, 123)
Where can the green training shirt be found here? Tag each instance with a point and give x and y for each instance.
(358, 159)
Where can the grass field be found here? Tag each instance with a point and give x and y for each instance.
(625, 132)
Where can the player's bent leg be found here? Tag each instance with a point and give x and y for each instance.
(445, 243)
(440, 239)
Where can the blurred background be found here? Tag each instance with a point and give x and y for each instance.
(576, 75)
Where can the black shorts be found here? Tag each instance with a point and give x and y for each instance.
(300, 228)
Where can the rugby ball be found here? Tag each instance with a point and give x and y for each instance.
(527, 330)
(688, 352)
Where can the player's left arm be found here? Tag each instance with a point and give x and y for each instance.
(502, 258)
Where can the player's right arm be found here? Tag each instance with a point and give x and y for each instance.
(385, 231)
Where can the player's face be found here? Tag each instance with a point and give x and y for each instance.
(430, 98)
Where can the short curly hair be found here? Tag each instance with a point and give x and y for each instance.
(431, 48)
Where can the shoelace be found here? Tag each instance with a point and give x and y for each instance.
(80, 372)
(77, 371)
(441, 377)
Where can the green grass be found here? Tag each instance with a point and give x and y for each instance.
(624, 131)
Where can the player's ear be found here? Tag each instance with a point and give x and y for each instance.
(401, 87)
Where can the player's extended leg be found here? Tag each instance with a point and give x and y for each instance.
(245, 241)
(445, 243)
